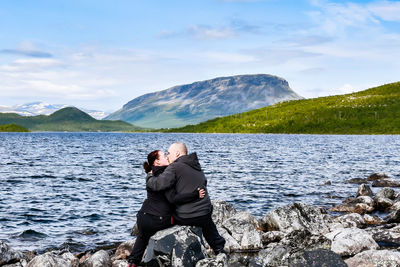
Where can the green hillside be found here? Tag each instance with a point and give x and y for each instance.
(373, 111)
(67, 119)
(12, 128)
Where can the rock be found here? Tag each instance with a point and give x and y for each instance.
(98, 259)
(243, 228)
(386, 236)
(386, 183)
(176, 246)
(387, 192)
(360, 208)
(290, 248)
(327, 183)
(357, 181)
(221, 260)
(8, 255)
(373, 220)
(377, 176)
(374, 258)
(231, 244)
(383, 203)
(395, 206)
(272, 236)
(318, 258)
(364, 190)
(120, 263)
(124, 250)
(222, 211)
(54, 259)
(350, 241)
(351, 220)
(135, 230)
(296, 216)
(393, 217)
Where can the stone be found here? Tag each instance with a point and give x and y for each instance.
(120, 263)
(351, 220)
(387, 192)
(357, 181)
(372, 220)
(377, 176)
(386, 236)
(371, 258)
(135, 230)
(360, 208)
(386, 183)
(296, 216)
(364, 190)
(54, 259)
(231, 244)
(222, 211)
(175, 246)
(318, 258)
(350, 241)
(243, 228)
(272, 236)
(98, 259)
(383, 203)
(8, 255)
(124, 250)
(395, 206)
(393, 217)
(221, 260)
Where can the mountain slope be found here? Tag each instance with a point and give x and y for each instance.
(373, 111)
(200, 101)
(67, 119)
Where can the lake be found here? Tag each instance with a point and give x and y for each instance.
(82, 190)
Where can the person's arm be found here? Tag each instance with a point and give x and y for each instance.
(163, 181)
(175, 198)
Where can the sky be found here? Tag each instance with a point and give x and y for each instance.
(100, 54)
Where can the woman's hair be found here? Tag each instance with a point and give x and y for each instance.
(151, 157)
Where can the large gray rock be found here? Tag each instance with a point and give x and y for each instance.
(296, 216)
(364, 190)
(222, 211)
(393, 217)
(98, 259)
(175, 246)
(221, 260)
(351, 220)
(231, 244)
(124, 250)
(318, 258)
(386, 235)
(357, 181)
(350, 241)
(375, 258)
(54, 259)
(120, 263)
(8, 255)
(386, 183)
(361, 205)
(377, 176)
(289, 250)
(386, 192)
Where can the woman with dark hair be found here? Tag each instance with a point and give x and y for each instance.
(156, 211)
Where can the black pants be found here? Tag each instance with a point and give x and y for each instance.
(208, 227)
(148, 225)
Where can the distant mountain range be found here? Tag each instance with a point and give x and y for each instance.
(42, 108)
(204, 100)
(68, 119)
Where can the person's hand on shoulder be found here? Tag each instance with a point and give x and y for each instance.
(202, 192)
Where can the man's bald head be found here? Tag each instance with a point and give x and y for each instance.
(176, 150)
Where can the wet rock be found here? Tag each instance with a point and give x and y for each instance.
(135, 230)
(243, 228)
(374, 258)
(377, 176)
(296, 216)
(291, 248)
(373, 220)
(222, 211)
(393, 217)
(395, 206)
(221, 260)
(327, 183)
(364, 190)
(360, 208)
(350, 241)
(388, 235)
(98, 259)
(124, 250)
(383, 203)
(386, 183)
(231, 244)
(176, 246)
(318, 258)
(387, 192)
(351, 220)
(8, 255)
(357, 181)
(120, 263)
(272, 236)
(54, 259)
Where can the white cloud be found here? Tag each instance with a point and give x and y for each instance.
(386, 10)
(210, 33)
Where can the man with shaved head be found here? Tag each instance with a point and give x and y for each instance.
(185, 174)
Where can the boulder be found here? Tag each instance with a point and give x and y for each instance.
(377, 176)
(364, 190)
(351, 220)
(372, 220)
(120, 263)
(124, 250)
(222, 211)
(393, 217)
(243, 228)
(54, 259)
(387, 192)
(221, 260)
(296, 216)
(374, 258)
(8, 255)
(272, 236)
(135, 230)
(383, 203)
(175, 246)
(387, 235)
(386, 183)
(395, 206)
(357, 181)
(318, 258)
(98, 259)
(231, 244)
(290, 249)
(360, 208)
(350, 241)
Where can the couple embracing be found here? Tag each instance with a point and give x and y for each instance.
(176, 194)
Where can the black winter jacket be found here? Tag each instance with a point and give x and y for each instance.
(185, 176)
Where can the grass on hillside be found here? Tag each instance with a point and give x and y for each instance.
(12, 128)
(373, 111)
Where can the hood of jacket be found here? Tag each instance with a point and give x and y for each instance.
(190, 160)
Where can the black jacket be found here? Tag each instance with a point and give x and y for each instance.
(185, 176)
(162, 203)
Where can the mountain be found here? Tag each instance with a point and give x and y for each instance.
(372, 111)
(68, 119)
(42, 108)
(201, 101)
(12, 128)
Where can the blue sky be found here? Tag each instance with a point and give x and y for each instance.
(101, 54)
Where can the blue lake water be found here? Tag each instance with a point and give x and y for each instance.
(82, 190)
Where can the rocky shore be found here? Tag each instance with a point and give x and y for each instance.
(294, 235)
